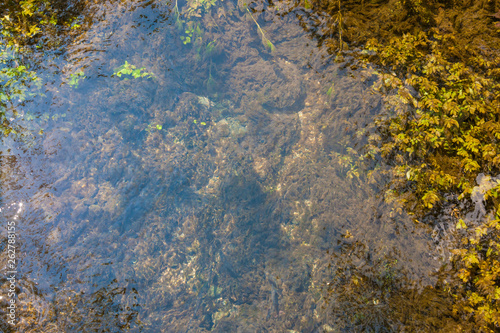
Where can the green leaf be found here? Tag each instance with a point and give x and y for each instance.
(461, 224)
(331, 90)
(136, 73)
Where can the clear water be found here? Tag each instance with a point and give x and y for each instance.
(208, 196)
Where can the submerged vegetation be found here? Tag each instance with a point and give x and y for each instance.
(18, 83)
(28, 29)
(262, 167)
(442, 142)
(437, 68)
(129, 69)
(266, 42)
(75, 79)
(450, 131)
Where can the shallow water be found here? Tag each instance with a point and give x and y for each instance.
(211, 195)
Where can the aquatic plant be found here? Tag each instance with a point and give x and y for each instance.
(153, 127)
(210, 83)
(17, 84)
(27, 27)
(338, 21)
(33, 24)
(476, 261)
(75, 79)
(27, 20)
(192, 31)
(449, 132)
(369, 291)
(331, 90)
(128, 69)
(195, 8)
(202, 123)
(442, 130)
(266, 42)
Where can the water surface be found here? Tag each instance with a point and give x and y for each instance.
(212, 193)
